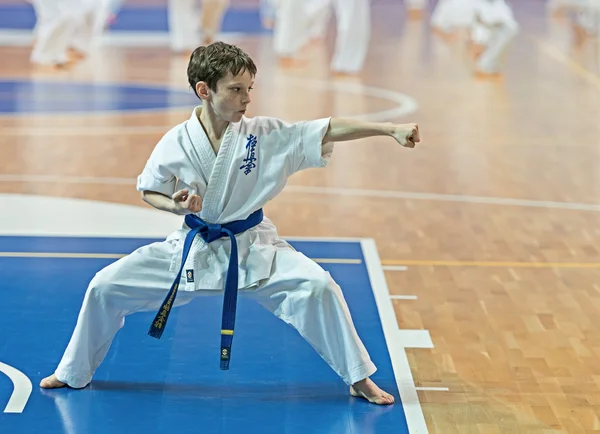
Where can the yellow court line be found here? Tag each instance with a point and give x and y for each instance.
(560, 57)
(120, 255)
(504, 264)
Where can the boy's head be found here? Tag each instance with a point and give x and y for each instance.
(222, 76)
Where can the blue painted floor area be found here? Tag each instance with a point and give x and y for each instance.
(25, 96)
(147, 18)
(276, 383)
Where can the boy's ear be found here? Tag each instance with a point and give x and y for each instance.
(202, 90)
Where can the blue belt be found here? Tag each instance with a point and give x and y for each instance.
(209, 233)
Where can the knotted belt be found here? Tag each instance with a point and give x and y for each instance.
(209, 233)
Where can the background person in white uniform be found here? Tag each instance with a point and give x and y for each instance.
(187, 21)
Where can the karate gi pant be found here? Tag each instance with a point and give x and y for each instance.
(416, 4)
(587, 16)
(319, 15)
(291, 30)
(89, 27)
(299, 292)
(186, 21)
(353, 19)
(297, 22)
(56, 22)
(502, 30)
(450, 15)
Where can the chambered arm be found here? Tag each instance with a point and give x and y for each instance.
(341, 130)
(181, 203)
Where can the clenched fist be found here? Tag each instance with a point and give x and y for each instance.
(407, 135)
(186, 203)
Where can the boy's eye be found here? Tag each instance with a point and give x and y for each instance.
(250, 88)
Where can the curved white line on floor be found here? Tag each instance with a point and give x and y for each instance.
(21, 391)
(55, 216)
(405, 104)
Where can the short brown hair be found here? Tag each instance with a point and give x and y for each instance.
(213, 62)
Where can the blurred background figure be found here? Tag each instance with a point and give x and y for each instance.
(452, 17)
(192, 24)
(584, 21)
(416, 8)
(91, 18)
(494, 29)
(297, 23)
(56, 24)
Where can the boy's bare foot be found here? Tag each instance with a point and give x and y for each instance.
(368, 390)
(51, 382)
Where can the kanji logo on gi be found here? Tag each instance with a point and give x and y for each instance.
(250, 156)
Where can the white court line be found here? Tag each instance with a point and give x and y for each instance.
(385, 194)
(390, 194)
(433, 389)
(414, 338)
(394, 268)
(393, 337)
(403, 297)
(22, 389)
(405, 104)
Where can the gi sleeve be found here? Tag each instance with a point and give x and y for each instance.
(309, 150)
(156, 175)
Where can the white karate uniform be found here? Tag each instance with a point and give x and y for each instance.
(186, 21)
(298, 21)
(353, 19)
(497, 16)
(56, 22)
(449, 15)
(287, 283)
(184, 25)
(587, 16)
(290, 32)
(92, 16)
(416, 4)
(319, 15)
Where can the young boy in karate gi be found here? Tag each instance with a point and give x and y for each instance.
(216, 168)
